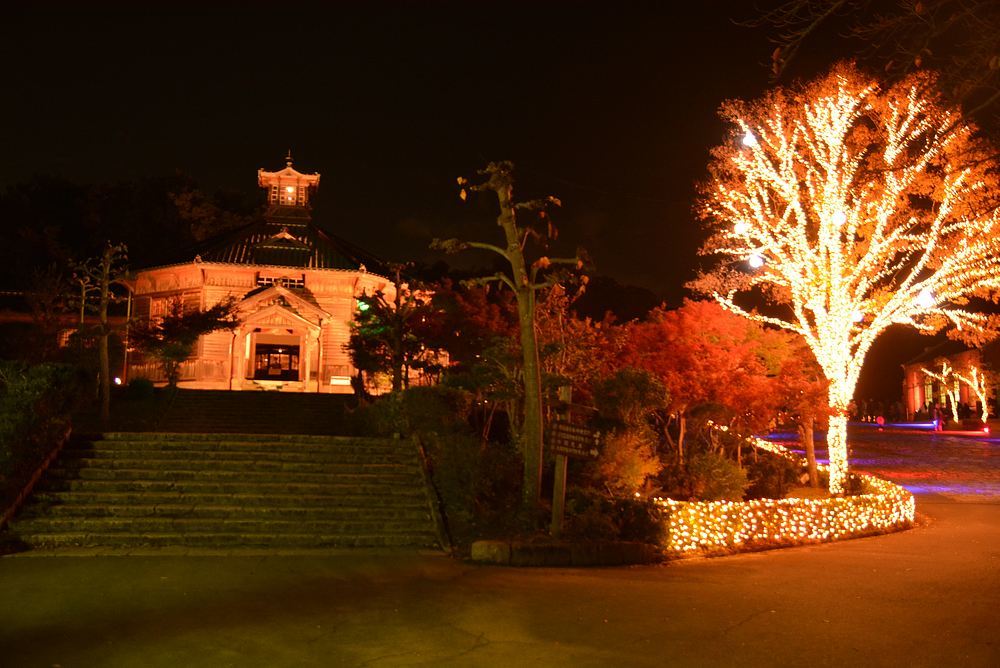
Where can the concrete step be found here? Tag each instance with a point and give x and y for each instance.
(143, 525)
(225, 475)
(276, 455)
(228, 540)
(163, 437)
(231, 487)
(398, 498)
(417, 512)
(223, 490)
(100, 468)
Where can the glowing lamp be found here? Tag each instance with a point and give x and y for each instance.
(925, 299)
(289, 189)
(755, 261)
(749, 139)
(741, 227)
(839, 218)
(363, 306)
(118, 381)
(858, 316)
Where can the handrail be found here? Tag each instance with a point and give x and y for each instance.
(25, 492)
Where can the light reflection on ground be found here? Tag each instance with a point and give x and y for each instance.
(963, 468)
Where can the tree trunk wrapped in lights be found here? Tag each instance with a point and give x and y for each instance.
(949, 384)
(978, 382)
(847, 207)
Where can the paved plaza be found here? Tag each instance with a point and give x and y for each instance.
(925, 597)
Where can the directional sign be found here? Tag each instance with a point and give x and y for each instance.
(572, 440)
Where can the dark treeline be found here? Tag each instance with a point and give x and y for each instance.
(49, 221)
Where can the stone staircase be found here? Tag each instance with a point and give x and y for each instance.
(215, 411)
(229, 491)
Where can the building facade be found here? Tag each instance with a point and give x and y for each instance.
(297, 289)
(921, 391)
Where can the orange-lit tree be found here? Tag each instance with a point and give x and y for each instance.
(842, 207)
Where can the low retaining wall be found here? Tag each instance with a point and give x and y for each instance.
(515, 553)
(727, 526)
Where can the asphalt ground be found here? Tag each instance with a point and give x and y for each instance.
(924, 597)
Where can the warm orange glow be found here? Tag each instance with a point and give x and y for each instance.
(711, 526)
(857, 207)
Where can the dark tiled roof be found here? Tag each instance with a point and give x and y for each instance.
(287, 241)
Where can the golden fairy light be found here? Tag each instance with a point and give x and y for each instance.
(949, 384)
(848, 208)
(712, 526)
(977, 381)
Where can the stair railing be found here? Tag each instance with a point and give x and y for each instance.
(9, 512)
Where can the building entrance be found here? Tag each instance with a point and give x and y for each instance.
(276, 362)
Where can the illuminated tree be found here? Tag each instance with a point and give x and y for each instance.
(949, 384)
(978, 382)
(958, 38)
(847, 207)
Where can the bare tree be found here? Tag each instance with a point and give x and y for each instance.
(97, 276)
(524, 280)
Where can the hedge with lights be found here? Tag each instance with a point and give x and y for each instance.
(726, 526)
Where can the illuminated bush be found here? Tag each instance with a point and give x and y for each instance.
(722, 526)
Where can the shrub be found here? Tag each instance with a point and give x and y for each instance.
(436, 408)
(140, 389)
(35, 407)
(714, 477)
(627, 458)
(480, 487)
(639, 521)
(591, 515)
(418, 410)
(771, 476)
(479, 484)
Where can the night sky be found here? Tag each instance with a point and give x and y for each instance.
(609, 106)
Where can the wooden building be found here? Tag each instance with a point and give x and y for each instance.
(297, 288)
(921, 391)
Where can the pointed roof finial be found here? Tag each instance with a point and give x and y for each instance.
(288, 158)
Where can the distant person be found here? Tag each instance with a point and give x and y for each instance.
(938, 417)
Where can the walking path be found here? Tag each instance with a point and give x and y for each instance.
(926, 597)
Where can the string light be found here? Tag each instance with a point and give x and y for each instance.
(714, 526)
(949, 383)
(825, 184)
(976, 380)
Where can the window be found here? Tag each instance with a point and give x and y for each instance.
(290, 282)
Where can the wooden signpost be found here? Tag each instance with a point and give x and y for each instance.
(567, 440)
